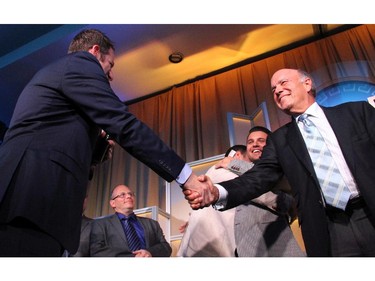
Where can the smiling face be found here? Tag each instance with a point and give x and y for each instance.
(255, 143)
(123, 200)
(292, 91)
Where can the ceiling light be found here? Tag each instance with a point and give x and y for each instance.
(176, 57)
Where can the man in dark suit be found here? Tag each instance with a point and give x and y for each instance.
(349, 131)
(47, 151)
(108, 237)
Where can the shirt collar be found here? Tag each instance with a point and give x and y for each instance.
(122, 216)
(313, 110)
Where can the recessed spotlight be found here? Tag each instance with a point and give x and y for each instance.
(176, 57)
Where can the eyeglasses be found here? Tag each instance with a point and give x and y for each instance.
(123, 194)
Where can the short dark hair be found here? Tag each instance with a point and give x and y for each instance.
(257, 129)
(237, 147)
(87, 38)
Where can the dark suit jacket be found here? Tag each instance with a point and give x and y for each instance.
(108, 239)
(46, 154)
(286, 153)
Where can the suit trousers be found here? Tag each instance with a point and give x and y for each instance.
(351, 229)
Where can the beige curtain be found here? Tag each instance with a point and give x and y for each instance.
(192, 118)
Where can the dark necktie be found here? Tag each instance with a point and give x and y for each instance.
(131, 235)
(331, 182)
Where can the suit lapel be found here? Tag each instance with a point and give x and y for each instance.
(338, 126)
(146, 229)
(118, 227)
(297, 145)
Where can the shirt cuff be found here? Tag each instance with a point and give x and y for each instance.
(222, 201)
(184, 175)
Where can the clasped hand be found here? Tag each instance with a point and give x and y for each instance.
(200, 192)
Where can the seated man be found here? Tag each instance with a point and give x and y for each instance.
(124, 234)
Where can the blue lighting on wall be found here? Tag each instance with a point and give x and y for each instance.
(345, 91)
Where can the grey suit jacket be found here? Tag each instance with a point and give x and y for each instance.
(286, 154)
(108, 239)
(259, 230)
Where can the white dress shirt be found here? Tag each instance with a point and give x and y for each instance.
(317, 116)
(184, 175)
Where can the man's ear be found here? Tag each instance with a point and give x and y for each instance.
(112, 203)
(308, 84)
(237, 155)
(95, 50)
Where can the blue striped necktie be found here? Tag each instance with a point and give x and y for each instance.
(131, 235)
(334, 189)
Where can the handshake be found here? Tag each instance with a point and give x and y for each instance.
(200, 192)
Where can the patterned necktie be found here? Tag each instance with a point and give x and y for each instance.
(131, 235)
(335, 191)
